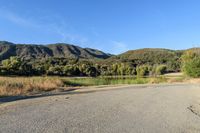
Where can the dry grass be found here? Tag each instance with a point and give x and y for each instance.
(177, 80)
(10, 86)
(194, 80)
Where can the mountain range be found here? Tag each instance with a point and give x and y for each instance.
(60, 50)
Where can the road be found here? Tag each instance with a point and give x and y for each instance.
(130, 109)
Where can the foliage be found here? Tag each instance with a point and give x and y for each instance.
(191, 64)
(72, 67)
(170, 58)
(143, 62)
(192, 67)
(142, 70)
(13, 63)
(161, 69)
(10, 86)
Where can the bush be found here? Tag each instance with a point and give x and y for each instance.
(56, 70)
(192, 68)
(161, 69)
(191, 64)
(142, 70)
(71, 70)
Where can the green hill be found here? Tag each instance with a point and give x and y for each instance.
(70, 60)
(61, 53)
(151, 56)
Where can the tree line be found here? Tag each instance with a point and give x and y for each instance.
(189, 63)
(77, 67)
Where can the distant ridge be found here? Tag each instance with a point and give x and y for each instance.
(61, 50)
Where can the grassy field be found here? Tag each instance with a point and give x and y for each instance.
(12, 86)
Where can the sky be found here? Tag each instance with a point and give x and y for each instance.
(113, 26)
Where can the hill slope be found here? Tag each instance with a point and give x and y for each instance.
(8, 49)
(151, 55)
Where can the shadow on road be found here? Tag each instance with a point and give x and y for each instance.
(65, 92)
(47, 94)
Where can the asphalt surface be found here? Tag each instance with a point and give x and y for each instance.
(133, 109)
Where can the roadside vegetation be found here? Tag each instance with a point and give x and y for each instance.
(147, 66)
(191, 63)
(12, 86)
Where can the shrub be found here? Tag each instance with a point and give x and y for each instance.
(142, 70)
(191, 63)
(56, 70)
(192, 68)
(161, 69)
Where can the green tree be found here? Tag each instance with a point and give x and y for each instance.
(25, 69)
(192, 68)
(142, 70)
(12, 64)
(161, 69)
(191, 64)
(55, 70)
(71, 70)
(114, 69)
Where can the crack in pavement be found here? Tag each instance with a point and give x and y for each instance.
(195, 109)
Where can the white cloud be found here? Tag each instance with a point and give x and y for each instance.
(118, 47)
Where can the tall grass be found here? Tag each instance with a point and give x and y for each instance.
(12, 86)
(18, 85)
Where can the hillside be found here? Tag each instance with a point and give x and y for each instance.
(146, 56)
(61, 50)
(151, 55)
(70, 60)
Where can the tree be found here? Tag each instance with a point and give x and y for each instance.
(25, 69)
(55, 70)
(71, 70)
(191, 64)
(39, 69)
(114, 69)
(161, 69)
(12, 65)
(192, 67)
(92, 72)
(142, 70)
(121, 69)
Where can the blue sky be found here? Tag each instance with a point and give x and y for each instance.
(113, 26)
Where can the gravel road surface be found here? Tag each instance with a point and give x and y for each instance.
(131, 109)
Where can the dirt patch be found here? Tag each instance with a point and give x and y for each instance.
(194, 80)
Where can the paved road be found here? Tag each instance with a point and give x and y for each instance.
(142, 109)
